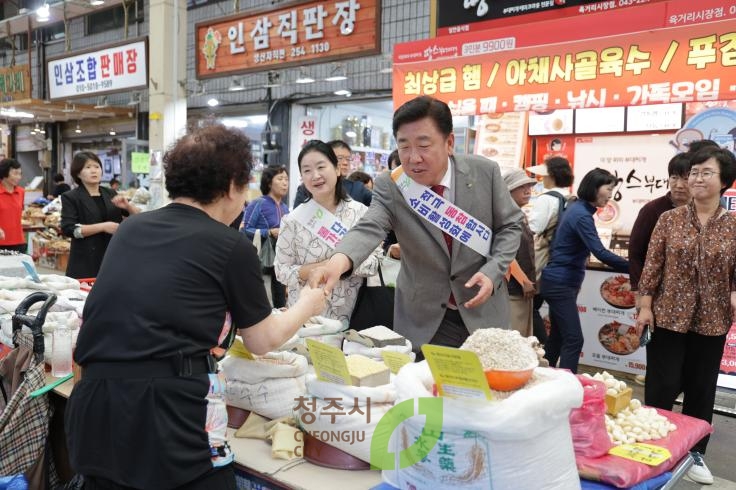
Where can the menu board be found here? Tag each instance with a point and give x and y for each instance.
(551, 122)
(640, 164)
(600, 120)
(654, 117)
(501, 137)
(606, 306)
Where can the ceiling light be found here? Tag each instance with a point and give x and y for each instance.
(338, 73)
(303, 77)
(236, 86)
(40, 129)
(77, 129)
(96, 3)
(43, 13)
(112, 132)
(13, 113)
(343, 91)
(213, 102)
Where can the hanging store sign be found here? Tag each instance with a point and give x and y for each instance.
(15, 83)
(292, 35)
(112, 69)
(683, 64)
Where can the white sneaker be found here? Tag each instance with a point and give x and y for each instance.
(699, 472)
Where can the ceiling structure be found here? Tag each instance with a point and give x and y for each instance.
(48, 111)
(58, 11)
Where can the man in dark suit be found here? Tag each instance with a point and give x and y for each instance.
(445, 288)
(356, 190)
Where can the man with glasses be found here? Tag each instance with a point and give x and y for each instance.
(356, 190)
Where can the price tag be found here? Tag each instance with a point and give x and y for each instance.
(457, 373)
(642, 453)
(329, 363)
(395, 360)
(140, 163)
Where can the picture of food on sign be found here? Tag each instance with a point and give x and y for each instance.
(607, 214)
(492, 127)
(491, 139)
(495, 115)
(490, 151)
(618, 338)
(616, 291)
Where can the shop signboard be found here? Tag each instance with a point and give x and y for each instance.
(294, 34)
(727, 372)
(15, 83)
(502, 71)
(607, 317)
(640, 164)
(93, 72)
(454, 17)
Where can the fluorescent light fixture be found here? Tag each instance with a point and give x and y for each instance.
(77, 130)
(13, 113)
(338, 73)
(40, 129)
(112, 132)
(303, 77)
(96, 3)
(213, 102)
(343, 91)
(43, 13)
(236, 86)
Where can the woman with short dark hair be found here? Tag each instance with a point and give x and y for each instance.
(12, 197)
(575, 239)
(176, 284)
(90, 215)
(688, 297)
(263, 216)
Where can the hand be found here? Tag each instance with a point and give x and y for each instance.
(120, 202)
(394, 251)
(529, 290)
(484, 292)
(328, 274)
(274, 232)
(306, 269)
(314, 298)
(110, 227)
(645, 318)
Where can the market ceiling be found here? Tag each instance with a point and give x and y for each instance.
(58, 11)
(48, 111)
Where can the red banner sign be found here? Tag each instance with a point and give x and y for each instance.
(684, 64)
(296, 34)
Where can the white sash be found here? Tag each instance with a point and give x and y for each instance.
(320, 222)
(444, 215)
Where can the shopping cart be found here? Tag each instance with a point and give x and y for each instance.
(25, 418)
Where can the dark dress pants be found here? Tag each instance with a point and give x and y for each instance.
(565, 342)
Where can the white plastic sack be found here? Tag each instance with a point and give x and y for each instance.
(268, 385)
(521, 442)
(349, 347)
(356, 410)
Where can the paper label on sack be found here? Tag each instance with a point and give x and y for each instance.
(642, 453)
(435, 209)
(320, 223)
(329, 363)
(395, 360)
(457, 373)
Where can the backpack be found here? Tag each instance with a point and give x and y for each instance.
(542, 241)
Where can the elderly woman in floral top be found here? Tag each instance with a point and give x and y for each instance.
(688, 292)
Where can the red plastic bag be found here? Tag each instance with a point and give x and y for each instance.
(588, 423)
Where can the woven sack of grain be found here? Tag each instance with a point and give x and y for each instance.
(520, 442)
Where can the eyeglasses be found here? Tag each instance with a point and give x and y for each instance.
(705, 174)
